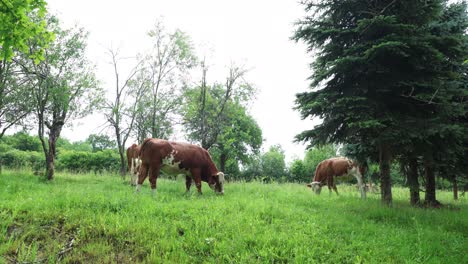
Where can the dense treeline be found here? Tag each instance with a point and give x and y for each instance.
(98, 154)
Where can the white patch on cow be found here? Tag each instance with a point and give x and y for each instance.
(136, 162)
(172, 168)
(138, 188)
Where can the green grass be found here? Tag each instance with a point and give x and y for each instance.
(98, 219)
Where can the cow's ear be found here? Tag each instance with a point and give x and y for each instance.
(309, 185)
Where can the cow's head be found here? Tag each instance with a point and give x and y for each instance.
(217, 183)
(315, 186)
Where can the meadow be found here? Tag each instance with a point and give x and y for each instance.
(98, 219)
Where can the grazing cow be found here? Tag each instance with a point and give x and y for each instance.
(178, 158)
(328, 169)
(133, 162)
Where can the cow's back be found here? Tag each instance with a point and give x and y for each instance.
(154, 150)
(159, 152)
(339, 166)
(193, 156)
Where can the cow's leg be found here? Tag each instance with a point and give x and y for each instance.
(133, 173)
(154, 174)
(196, 174)
(331, 185)
(142, 176)
(188, 183)
(334, 188)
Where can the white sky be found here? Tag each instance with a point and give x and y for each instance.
(255, 33)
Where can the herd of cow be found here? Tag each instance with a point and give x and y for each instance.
(174, 158)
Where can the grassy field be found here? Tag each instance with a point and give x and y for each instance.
(98, 219)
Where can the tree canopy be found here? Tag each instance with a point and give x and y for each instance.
(20, 22)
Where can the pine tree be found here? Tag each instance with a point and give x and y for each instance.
(380, 75)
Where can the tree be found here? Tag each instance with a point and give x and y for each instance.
(63, 86)
(20, 23)
(240, 138)
(299, 172)
(100, 142)
(121, 111)
(162, 77)
(252, 169)
(23, 141)
(206, 114)
(379, 75)
(273, 164)
(448, 130)
(238, 134)
(15, 99)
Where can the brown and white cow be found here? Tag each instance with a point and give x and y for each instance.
(178, 158)
(328, 169)
(133, 162)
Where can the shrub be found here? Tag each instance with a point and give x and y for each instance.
(82, 161)
(17, 159)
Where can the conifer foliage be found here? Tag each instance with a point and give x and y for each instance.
(388, 75)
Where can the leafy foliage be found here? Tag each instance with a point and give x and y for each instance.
(217, 117)
(23, 141)
(82, 161)
(100, 142)
(20, 22)
(163, 73)
(63, 85)
(273, 163)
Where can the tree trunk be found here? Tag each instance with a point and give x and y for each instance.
(413, 181)
(50, 166)
(385, 181)
(123, 170)
(430, 197)
(222, 162)
(455, 186)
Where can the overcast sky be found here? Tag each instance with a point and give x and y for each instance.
(252, 33)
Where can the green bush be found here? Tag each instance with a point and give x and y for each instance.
(17, 159)
(4, 147)
(75, 161)
(82, 161)
(23, 141)
(299, 172)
